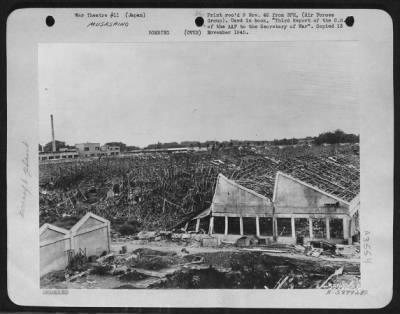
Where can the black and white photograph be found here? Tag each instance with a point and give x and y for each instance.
(199, 169)
(175, 155)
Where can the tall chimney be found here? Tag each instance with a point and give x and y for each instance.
(52, 134)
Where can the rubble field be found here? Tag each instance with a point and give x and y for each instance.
(161, 191)
(158, 191)
(167, 264)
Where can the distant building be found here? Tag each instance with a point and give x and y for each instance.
(83, 150)
(198, 149)
(88, 149)
(306, 140)
(161, 150)
(95, 150)
(108, 150)
(64, 154)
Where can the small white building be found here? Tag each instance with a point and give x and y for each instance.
(95, 150)
(88, 149)
(108, 150)
(90, 236)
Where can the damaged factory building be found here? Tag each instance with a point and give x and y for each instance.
(298, 212)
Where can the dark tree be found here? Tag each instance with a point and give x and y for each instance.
(132, 147)
(59, 144)
(122, 146)
(336, 137)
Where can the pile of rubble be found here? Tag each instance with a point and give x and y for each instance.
(160, 191)
(159, 238)
(142, 268)
(229, 269)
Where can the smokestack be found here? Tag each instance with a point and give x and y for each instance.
(52, 133)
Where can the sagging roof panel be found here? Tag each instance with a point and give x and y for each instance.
(230, 197)
(291, 192)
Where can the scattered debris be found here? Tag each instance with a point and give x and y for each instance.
(236, 268)
(102, 269)
(247, 241)
(281, 282)
(74, 277)
(337, 272)
(132, 275)
(263, 250)
(156, 191)
(210, 242)
(352, 251)
(146, 235)
(129, 188)
(315, 252)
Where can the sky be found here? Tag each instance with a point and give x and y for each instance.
(144, 93)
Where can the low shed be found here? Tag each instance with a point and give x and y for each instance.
(55, 244)
(90, 236)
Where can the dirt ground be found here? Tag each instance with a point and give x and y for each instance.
(167, 264)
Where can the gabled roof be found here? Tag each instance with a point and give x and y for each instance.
(234, 199)
(85, 218)
(237, 185)
(47, 226)
(279, 173)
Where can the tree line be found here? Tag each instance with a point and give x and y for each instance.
(336, 137)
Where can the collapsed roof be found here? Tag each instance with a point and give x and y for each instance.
(333, 175)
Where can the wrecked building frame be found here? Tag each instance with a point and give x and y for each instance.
(297, 211)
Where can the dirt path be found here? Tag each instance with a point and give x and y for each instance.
(166, 246)
(169, 246)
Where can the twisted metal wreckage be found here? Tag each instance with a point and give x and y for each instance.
(297, 212)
